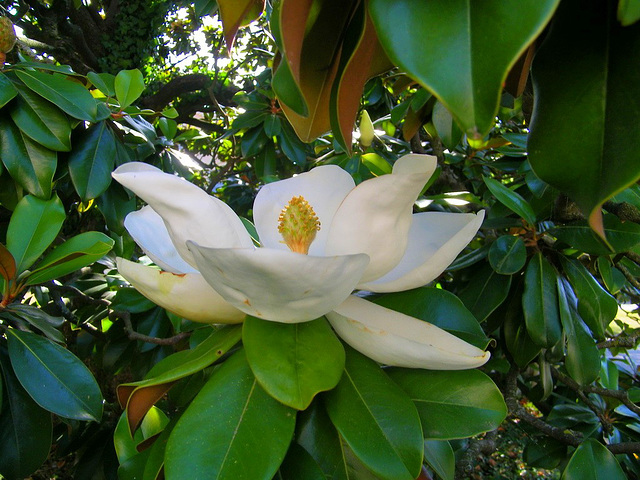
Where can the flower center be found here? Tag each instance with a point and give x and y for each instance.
(298, 224)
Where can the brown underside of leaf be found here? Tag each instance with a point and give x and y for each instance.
(517, 78)
(236, 13)
(293, 22)
(7, 264)
(139, 400)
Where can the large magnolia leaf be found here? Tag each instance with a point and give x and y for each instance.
(592, 461)
(29, 163)
(461, 50)
(540, 302)
(232, 429)
(583, 137)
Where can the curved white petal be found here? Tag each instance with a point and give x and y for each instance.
(148, 230)
(188, 211)
(399, 340)
(323, 187)
(277, 285)
(187, 295)
(376, 216)
(435, 240)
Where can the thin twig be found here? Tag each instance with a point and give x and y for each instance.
(133, 335)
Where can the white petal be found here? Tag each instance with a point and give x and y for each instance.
(399, 340)
(435, 240)
(323, 187)
(376, 216)
(188, 211)
(187, 295)
(148, 230)
(279, 285)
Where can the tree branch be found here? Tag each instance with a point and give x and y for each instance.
(133, 335)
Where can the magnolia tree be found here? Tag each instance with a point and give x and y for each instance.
(413, 230)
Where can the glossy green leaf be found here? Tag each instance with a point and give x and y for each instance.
(39, 319)
(611, 276)
(72, 255)
(128, 86)
(485, 292)
(444, 45)
(540, 302)
(246, 433)
(25, 428)
(293, 362)
(130, 300)
(299, 464)
(33, 227)
(7, 90)
(56, 379)
(138, 397)
(628, 12)
(511, 199)
(621, 236)
(39, 119)
(440, 308)
(115, 204)
(592, 461)
(447, 128)
(105, 82)
(582, 355)
(92, 161)
(292, 146)
(153, 469)
(507, 255)
(595, 305)
(30, 164)
(318, 436)
(376, 164)
(439, 456)
(519, 344)
(377, 420)
(544, 452)
(452, 404)
(70, 96)
(588, 160)
(609, 374)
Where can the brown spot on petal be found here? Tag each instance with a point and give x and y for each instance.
(176, 274)
(247, 302)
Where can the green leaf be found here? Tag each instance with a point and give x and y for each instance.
(507, 255)
(299, 464)
(70, 96)
(376, 164)
(40, 320)
(30, 164)
(291, 145)
(130, 300)
(452, 404)
(592, 461)
(105, 82)
(439, 307)
(33, 227)
(544, 452)
(595, 305)
(272, 125)
(92, 160)
(293, 362)
(621, 236)
(439, 456)
(582, 357)
(72, 255)
(128, 85)
(39, 119)
(115, 204)
(585, 144)
(511, 199)
(138, 397)
(485, 292)
(445, 125)
(628, 12)
(246, 433)
(55, 378)
(444, 45)
(540, 302)
(7, 90)
(377, 419)
(25, 428)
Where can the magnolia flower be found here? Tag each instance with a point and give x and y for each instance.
(321, 238)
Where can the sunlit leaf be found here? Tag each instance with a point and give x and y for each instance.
(128, 85)
(236, 13)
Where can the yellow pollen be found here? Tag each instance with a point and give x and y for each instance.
(298, 225)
